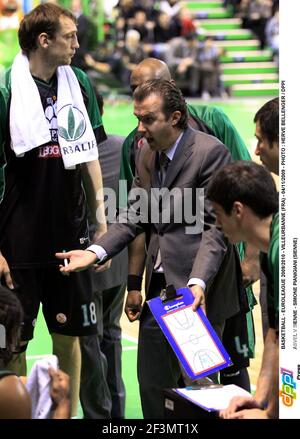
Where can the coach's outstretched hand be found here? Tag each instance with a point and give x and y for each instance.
(76, 260)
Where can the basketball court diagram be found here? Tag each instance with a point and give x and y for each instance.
(194, 340)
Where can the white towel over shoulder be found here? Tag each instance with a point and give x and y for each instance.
(29, 127)
(38, 386)
(75, 134)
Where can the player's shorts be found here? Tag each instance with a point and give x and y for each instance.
(236, 339)
(67, 301)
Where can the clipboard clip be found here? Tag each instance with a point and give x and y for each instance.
(168, 294)
(207, 387)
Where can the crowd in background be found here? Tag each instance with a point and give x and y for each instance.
(167, 30)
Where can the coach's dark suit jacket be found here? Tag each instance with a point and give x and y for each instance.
(203, 255)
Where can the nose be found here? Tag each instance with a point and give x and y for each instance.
(257, 150)
(141, 128)
(75, 44)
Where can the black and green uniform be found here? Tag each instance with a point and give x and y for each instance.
(44, 211)
(6, 373)
(43, 202)
(2, 131)
(270, 266)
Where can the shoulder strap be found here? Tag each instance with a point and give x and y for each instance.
(5, 373)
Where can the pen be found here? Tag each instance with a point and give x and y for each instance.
(65, 260)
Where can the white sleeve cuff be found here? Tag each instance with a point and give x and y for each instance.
(98, 250)
(196, 281)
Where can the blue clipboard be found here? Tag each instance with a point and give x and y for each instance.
(190, 334)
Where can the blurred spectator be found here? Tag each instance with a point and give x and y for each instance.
(119, 31)
(109, 7)
(275, 6)
(272, 35)
(233, 4)
(9, 15)
(150, 7)
(115, 67)
(105, 67)
(259, 12)
(101, 60)
(209, 65)
(242, 12)
(144, 27)
(182, 60)
(171, 7)
(132, 54)
(86, 35)
(166, 28)
(126, 9)
(187, 24)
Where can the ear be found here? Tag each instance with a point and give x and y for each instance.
(175, 118)
(43, 40)
(238, 209)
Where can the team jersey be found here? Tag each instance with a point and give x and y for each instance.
(270, 267)
(2, 131)
(44, 206)
(5, 373)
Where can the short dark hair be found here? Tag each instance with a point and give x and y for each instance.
(247, 182)
(43, 18)
(171, 95)
(268, 118)
(11, 317)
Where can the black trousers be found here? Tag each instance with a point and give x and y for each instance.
(158, 367)
(102, 390)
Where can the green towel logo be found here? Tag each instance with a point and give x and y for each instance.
(73, 125)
